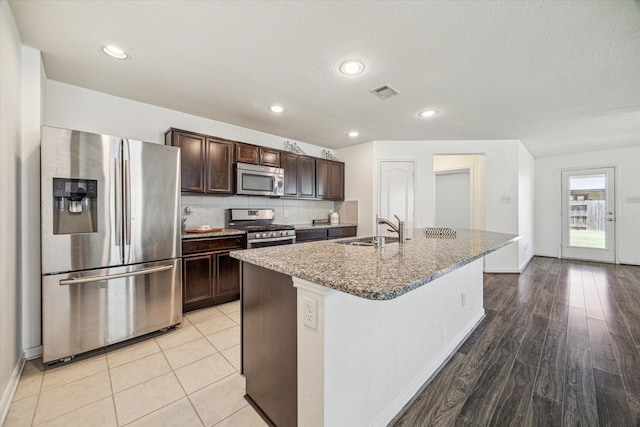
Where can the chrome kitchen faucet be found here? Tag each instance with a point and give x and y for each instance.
(400, 228)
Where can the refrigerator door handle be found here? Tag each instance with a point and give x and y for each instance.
(90, 279)
(118, 214)
(127, 203)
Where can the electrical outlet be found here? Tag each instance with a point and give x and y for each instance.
(286, 213)
(525, 247)
(505, 199)
(310, 312)
(463, 299)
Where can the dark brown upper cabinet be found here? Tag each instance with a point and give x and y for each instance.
(299, 175)
(206, 162)
(247, 153)
(329, 179)
(256, 155)
(270, 157)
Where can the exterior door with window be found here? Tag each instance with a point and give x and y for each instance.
(588, 214)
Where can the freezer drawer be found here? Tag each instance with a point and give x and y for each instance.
(82, 311)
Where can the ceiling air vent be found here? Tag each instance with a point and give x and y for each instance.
(384, 92)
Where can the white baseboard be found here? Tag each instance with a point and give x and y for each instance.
(10, 390)
(33, 352)
(408, 395)
(502, 270)
(525, 264)
(547, 255)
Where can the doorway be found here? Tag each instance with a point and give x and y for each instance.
(467, 209)
(453, 199)
(588, 214)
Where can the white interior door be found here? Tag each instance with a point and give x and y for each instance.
(453, 199)
(588, 214)
(396, 194)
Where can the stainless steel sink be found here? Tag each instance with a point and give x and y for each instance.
(367, 241)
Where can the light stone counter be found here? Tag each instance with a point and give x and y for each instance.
(377, 273)
(223, 233)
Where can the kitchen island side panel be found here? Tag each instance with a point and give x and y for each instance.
(368, 359)
(269, 343)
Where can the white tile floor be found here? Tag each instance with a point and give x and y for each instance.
(185, 377)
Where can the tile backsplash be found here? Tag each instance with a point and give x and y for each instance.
(348, 211)
(212, 210)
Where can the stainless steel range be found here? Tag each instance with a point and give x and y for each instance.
(261, 231)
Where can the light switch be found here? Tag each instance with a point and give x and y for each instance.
(505, 199)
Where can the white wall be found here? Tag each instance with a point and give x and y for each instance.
(548, 199)
(526, 179)
(33, 89)
(360, 174)
(501, 178)
(73, 107)
(10, 211)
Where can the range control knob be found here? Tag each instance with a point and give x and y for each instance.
(258, 235)
(274, 234)
(283, 233)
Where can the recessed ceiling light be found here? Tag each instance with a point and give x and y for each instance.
(427, 113)
(115, 52)
(276, 109)
(353, 133)
(351, 68)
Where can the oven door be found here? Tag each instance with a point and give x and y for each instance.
(276, 241)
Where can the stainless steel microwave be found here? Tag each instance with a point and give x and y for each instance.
(259, 180)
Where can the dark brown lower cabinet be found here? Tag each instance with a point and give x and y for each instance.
(269, 343)
(209, 275)
(325, 233)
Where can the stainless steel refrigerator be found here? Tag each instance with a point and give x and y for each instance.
(110, 218)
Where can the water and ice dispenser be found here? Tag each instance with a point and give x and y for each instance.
(75, 206)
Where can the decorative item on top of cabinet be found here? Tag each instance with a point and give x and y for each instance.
(209, 275)
(299, 175)
(329, 179)
(206, 162)
(256, 155)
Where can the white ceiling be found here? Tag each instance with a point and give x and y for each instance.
(562, 76)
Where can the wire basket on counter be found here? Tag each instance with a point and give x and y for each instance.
(440, 232)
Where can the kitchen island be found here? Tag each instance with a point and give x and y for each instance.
(338, 334)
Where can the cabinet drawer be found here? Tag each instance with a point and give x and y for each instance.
(337, 232)
(310, 235)
(205, 245)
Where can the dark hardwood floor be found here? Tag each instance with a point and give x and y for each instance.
(560, 346)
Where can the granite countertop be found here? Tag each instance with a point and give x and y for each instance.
(372, 273)
(312, 226)
(223, 233)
